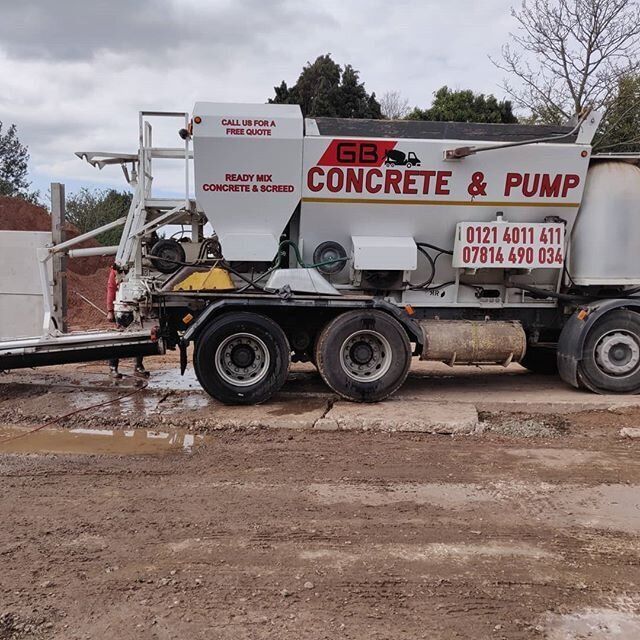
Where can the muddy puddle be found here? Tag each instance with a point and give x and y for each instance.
(172, 380)
(134, 442)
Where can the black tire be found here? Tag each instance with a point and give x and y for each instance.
(232, 340)
(165, 254)
(363, 355)
(541, 360)
(611, 347)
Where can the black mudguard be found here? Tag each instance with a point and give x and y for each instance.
(574, 334)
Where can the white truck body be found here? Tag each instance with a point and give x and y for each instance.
(357, 244)
(257, 169)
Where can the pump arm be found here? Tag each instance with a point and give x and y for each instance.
(585, 136)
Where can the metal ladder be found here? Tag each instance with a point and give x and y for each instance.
(169, 210)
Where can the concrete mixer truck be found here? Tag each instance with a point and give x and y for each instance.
(502, 244)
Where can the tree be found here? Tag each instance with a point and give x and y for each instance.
(325, 89)
(569, 54)
(88, 210)
(620, 129)
(465, 106)
(393, 105)
(14, 158)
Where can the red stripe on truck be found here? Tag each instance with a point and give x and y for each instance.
(356, 153)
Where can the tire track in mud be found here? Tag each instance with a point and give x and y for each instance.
(399, 536)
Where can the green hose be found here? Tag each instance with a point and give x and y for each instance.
(296, 251)
(277, 261)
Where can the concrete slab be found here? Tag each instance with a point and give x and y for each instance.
(513, 389)
(434, 399)
(425, 417)
(292, 415)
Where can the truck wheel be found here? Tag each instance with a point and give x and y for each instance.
(242, 358)
(611, 354)
(541, 360)
(363, 355)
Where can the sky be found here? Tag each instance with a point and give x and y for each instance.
(75, 73)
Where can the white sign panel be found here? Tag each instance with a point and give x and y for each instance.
(509, 245)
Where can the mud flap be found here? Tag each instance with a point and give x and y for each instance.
(183, 356)
(570, 349)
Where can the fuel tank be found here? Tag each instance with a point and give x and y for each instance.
(605, 242)
(473, 342)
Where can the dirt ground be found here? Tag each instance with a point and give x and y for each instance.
(179, 520)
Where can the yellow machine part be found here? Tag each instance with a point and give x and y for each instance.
(216, 279)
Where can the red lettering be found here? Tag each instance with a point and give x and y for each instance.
(369, 185)
(228, 188)
(353, 181)
(571, 180)
(346, 152)
(513, 180)
(529, 185)
(409, 184)
(392, 181)
(549, 188)
(442, 183)
(276, 188)
(311, 183)
(335, 180)
(356, 153)
(368, 153)
(427, 180)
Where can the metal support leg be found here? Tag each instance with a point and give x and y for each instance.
(47, 302)
(59, 261)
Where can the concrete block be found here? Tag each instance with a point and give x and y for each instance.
(419, 416)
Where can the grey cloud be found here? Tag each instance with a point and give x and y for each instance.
(82, 30)
(74, 73)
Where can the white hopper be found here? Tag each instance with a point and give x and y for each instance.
(248, 165)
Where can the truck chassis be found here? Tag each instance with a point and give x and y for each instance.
(360, 328)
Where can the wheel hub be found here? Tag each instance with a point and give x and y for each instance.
(242, 359)
(242, 355)
(361, 353)
(365, 356)
(618, 353)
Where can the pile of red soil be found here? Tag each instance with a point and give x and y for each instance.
(85, 276)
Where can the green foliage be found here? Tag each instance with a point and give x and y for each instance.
(620, 127)
(88, 210)
(465, 106)
(14, 158)
(325, 89)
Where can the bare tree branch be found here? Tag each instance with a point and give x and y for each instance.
(393, 105)
(569, 54)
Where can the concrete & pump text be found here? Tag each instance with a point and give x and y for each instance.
(351, 180)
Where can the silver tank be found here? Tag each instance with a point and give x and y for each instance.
(605, 243)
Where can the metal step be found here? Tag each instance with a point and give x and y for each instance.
(77, 347)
